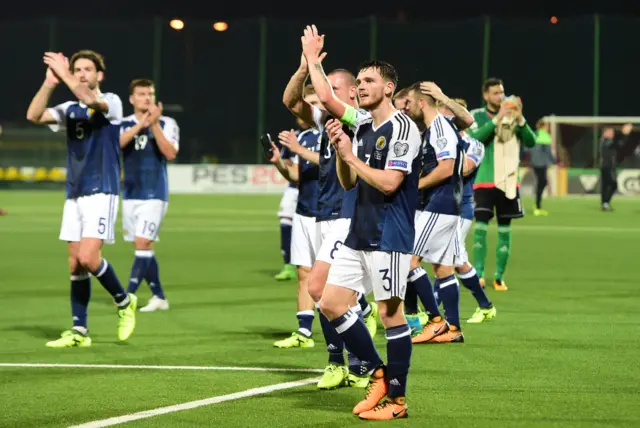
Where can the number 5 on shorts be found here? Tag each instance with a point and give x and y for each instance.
(102, 225)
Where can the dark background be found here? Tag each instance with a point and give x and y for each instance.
(226, 87)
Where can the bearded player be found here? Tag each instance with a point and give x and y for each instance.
(502, 128)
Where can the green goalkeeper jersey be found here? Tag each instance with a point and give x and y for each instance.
(483, 130)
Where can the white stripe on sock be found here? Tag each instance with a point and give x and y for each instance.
(448, 283)
(350, 320)
(144, 253)
(469, 274)
(310, 313)
(80, 277)
(104, 269)
(417, 273)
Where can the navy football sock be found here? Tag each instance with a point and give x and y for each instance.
(335, 345)
(80, 296)
(471, 281)
(357, 339)
(365, 307)
(449, 294)
(153, 278)
(399, 355)
(355, 365)
(305, 322)
(139, 269)
(411, 298)
(285, 239)
(423, 287)
(107, 277)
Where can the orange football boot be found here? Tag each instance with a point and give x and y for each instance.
(433, 328)
(500, 285)
(452, 335)
(387, 410)
(376, 391)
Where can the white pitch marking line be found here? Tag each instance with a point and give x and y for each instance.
(124, 366)
(194, 404)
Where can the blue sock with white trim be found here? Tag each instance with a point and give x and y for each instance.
(153, 278)
(449, 294)
(422, 284)
(107, 277)
(305, 322)
(399, 355)
(80, 296)
(472, 282)
(357, 339)
(285, 239)
(335, 345)
(139, 269)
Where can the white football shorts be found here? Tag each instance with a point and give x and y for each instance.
(304, 241)
(463, 256)
(436, 236)
(92, 216)
(381, 272)
(332, 235)
(288, 202)
(142, 218)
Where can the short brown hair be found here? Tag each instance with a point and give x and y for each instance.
(93, 56)
(140, 83)
(490, 82)
(402, 93)
(428, 98)
(308, 90)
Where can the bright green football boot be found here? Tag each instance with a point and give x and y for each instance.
(333, 377)
(414, 323)
(355, 381)
(423, 317)
(482, 315)
(296, 340)
(371, 320)
(127, 318)
(287, 273)
(71, 339)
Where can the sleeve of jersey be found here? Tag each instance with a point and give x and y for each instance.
(114, 109)
(171, 132)
(443, 139)
(353, 116)
(404, 145)
(59, 114)
(476, 152)
(319, 117)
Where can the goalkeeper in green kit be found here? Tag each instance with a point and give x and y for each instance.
(501, 127)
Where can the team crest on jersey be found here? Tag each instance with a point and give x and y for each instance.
(441, 143)
(477, 150)
(90, 112)
(400, 149)
(381, 143)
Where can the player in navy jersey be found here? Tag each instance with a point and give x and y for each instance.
(437, 225)
(148, 140)
(463, 119)
(474, 154)
(377, 252)
(286, 211)
(304, 240)
(92, 124)
(339, 99)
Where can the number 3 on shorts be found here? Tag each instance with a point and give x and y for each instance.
(335, 248)
(386, 277)
(102, 225)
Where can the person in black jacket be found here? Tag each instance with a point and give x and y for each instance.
(609, 147)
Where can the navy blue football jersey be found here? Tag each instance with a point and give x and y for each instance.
(333, 201)
(145, 167)
(308, 175)
(443, 142)
(474, 150)
(93, 146)
(386, 222)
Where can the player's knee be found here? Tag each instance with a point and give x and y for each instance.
(141, 243)
(483, 216)
(389, 312)
(415, 262)
(318, 279)
(504, 221)
(442, 271)
(89, 259)
(464, 268)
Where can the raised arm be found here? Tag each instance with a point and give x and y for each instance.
(463, 119)
(167, 138)
(37, 111)
(60, 66)
(292, 97)
(127, 136)
(342, 144)
(289, 140)
(289, 171)
(312, 45)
